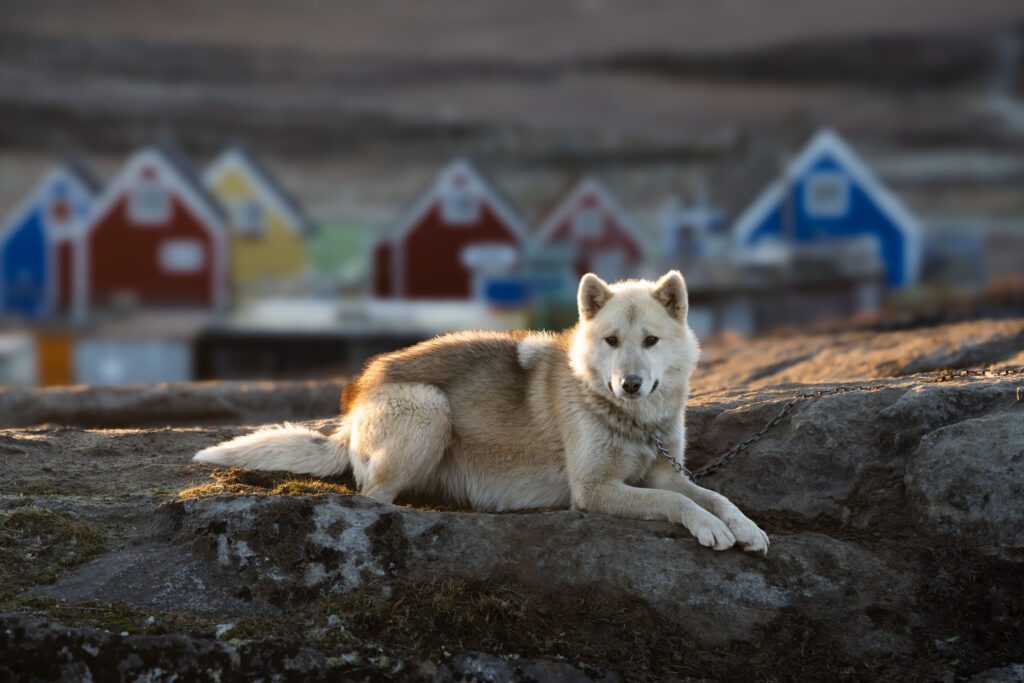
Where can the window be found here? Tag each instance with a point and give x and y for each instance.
(182, 257)
(827, 194)
(588, 223)
(149, 202)
(489, 257)
(249, 217)
(459, 203)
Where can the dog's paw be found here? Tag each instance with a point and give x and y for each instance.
(748, 535)
(712, 532)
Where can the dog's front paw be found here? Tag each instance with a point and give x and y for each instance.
(711, 532)
(748, 535)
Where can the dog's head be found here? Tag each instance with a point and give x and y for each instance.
(632, 341)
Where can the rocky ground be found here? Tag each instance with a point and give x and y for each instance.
(894, 502)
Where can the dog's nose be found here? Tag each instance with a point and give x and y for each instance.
(631, 383)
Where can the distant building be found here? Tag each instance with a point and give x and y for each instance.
(156, 238)
(590, 232)
(268, 228)
(686, 229)
(459, 234)
(18, 363)
(145, 348)
(826, 194)
(37, 241)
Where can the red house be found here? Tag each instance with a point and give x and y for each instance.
(590, 232)
(155, 239)
(457, 235)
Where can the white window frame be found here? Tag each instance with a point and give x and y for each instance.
(182, 256)
(492, 258)
(460, 206)
(152, 209)
(837, 205)
(588, 223)
(241, 217)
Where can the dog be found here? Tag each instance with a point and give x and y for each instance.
(519, 420)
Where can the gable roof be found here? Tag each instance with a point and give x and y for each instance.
(588, 185)
(189, 176)
(261, 176)
(506, 213)
(73, 168)
(827, 142)
(175, 167)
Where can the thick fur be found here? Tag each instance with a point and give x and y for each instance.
(507, 421)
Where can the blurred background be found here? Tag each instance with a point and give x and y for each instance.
(269, 189)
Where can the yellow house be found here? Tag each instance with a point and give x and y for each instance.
(268, 229)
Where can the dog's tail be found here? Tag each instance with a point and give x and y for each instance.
(284, 447)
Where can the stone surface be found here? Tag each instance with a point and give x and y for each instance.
(966, 480)
(894, 507)
(160, 404)
(1006, 674)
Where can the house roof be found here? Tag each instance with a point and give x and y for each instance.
(191, 192)
(188, 173)
(70, 165)
(502, 205)
(261, 174)
(569, 201)
(826, 141)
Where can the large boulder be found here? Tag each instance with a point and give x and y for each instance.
(894, 505)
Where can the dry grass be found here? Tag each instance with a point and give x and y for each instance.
(239, 482)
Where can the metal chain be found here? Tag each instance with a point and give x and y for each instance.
(679, 467)
(720, 461)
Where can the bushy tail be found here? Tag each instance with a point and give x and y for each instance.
(285, 447)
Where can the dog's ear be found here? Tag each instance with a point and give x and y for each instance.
(670, 291)
(594, 293)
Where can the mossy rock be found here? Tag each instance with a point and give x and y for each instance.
(37, 546)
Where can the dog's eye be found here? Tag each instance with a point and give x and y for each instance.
(650, 341)
(612, 341)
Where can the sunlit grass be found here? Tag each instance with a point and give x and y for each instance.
(240, 482)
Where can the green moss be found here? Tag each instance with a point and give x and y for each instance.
(37, 546)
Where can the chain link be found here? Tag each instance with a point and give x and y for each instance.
(722, 460)
(679, 467)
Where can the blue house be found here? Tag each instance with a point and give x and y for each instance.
(827, 193)
(38, 243)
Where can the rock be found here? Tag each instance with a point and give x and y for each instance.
(160, 404)
(483, 667)
(966, 480)
(338, 544)
(1007, 674)
(36, 649)
(281, 552)
(854, 355)
(893, 502)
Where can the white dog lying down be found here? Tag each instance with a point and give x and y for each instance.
(509, 421)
